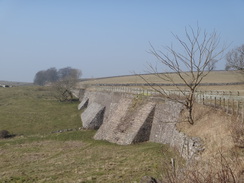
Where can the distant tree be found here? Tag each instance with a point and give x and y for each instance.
(51, 75)
(46, 76)
(40, 78)
(235, 59)
(62, 81)
(200, 51)
(68, 72)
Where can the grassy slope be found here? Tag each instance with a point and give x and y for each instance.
(39, 156)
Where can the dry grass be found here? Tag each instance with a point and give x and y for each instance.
(218, 169)
(211, 125)
(237, 132)
(213, 77)
(215, 128)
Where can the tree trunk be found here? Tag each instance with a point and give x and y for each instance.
(190, 107)
(190, 116)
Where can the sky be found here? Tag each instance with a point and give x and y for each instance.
(104, 37)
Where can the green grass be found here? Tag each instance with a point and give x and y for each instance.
(76, 157)
(41, 156)
(33, 110)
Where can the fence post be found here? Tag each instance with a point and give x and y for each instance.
(228, 102)
(233, 106)
(224, 104)
(238, 103)
(215, 102)
(242, 111)
(220, 98)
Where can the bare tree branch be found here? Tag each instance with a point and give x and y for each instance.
(200, 53)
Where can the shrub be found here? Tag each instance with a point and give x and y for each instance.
(4, 134)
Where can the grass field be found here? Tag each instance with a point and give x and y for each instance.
(33, 110)
(213, 77)
(37, 155)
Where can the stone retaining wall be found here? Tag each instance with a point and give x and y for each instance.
(128, 119)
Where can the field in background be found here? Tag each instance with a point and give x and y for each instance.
(15, 83)
(37, 155)
(223, 77)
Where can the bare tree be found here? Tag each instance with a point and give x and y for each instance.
(235, 59)
(67, 82)
(199, 53)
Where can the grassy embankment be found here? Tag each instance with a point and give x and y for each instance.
(37, 155)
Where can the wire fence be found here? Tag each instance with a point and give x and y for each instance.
(229, 101)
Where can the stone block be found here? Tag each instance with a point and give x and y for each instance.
(126, 125)
(117, 113)
(92, 117)
(83, 104)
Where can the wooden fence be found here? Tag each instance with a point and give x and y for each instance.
(229, 101)
(230, 104)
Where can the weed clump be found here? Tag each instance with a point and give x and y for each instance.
(4, 134)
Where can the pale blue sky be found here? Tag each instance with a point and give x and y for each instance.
(103, 37)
